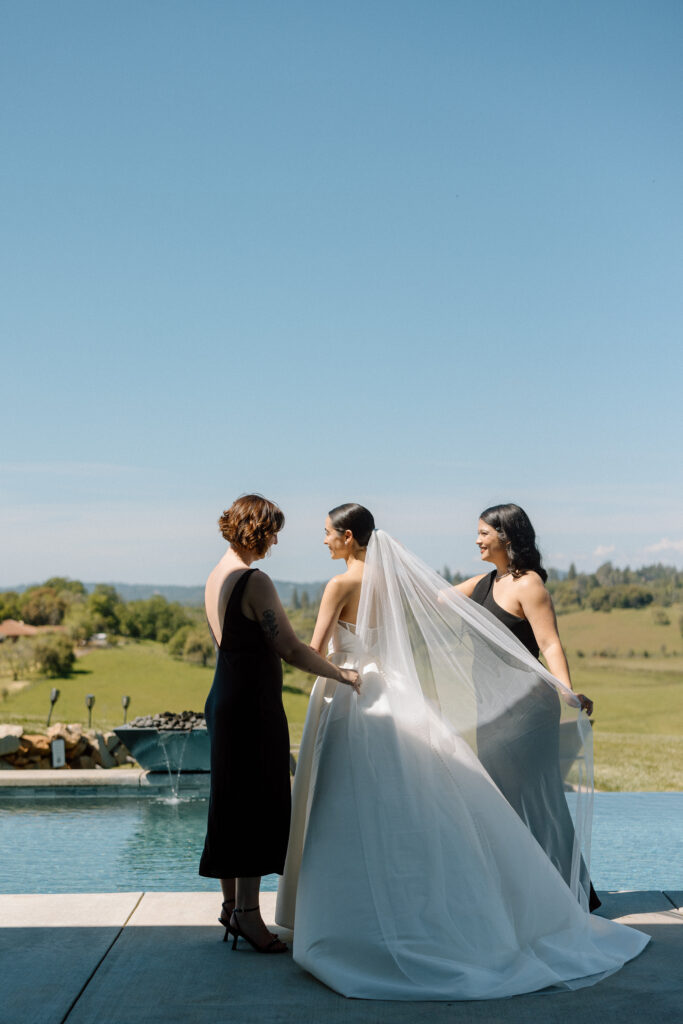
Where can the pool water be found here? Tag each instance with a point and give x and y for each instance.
(98, 845)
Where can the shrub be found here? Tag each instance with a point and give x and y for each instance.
(53, 655)
(16, 657)
(198, 649)
(176, 644)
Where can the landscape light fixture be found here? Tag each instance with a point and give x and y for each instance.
(125, 701)
(89, 701)
(54, 697)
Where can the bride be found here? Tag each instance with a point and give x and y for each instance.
(409, 874)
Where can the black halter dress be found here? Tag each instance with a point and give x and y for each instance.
(525, 763)
(249, 804)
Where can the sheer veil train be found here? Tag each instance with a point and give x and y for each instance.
(408, 873)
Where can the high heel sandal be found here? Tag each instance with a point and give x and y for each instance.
(226, 922)
(274, 946)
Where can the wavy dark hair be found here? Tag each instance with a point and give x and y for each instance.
(514, 528)
(356, 518)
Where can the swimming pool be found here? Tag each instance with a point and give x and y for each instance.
(101, 845)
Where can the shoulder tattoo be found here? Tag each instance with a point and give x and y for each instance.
(269, 624)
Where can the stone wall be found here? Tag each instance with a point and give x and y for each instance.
(85, 748)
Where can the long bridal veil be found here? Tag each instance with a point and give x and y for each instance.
(457, 664)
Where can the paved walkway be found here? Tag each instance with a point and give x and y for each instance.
(157, 958)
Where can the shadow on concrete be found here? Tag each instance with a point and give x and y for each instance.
(164, 962)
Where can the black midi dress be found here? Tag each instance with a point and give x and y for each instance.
(249, 803)
(524, 761)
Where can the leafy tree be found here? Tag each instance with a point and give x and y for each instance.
(104, 605)
(295, 603)
(571, 574)
(153, 619)
(9, 605)
(599, 599)
(16, 657)
(79, 622)
(620, 595)
(198, 649)
(53, 654)
(42, 606)
(63, 585)
(176, 644)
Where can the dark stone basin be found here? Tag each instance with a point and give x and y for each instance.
(159, 750)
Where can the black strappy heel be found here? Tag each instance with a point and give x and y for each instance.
(226, 923)
(236, 931)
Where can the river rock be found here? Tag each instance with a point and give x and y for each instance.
(169, 721)
(105, 755)
(77, 749)
(10, 736)
(56, 731)
(39, 745)
(84, 761)
(10, 730)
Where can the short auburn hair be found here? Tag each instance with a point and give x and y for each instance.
(251, 521)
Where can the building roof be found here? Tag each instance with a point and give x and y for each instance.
(10, 627)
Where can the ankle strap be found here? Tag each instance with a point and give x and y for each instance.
(245, 910)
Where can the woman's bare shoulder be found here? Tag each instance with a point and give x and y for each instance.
(342, 584)
(530, 580)
(530, 587)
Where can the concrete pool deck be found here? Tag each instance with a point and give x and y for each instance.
(158, 958)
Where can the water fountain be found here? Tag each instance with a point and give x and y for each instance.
(164, 738)
(173, 749)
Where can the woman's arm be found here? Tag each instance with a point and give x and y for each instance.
(537, 606)
(467, 587)
(264, 604)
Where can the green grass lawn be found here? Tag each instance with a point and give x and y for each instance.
(638, 719)
(622, 631)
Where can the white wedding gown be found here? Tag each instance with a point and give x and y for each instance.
(408, 874)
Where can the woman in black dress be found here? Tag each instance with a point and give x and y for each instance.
(249, 805)
(524, 759)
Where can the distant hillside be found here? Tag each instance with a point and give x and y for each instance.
(191, 595)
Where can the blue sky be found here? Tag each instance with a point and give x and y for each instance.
(426, 256)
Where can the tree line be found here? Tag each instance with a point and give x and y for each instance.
(66, 603)
(608, 587)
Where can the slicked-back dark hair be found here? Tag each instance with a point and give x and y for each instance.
(514, 528)
(354, 517)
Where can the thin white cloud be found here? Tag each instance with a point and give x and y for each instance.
(604, 549)
(665, 545)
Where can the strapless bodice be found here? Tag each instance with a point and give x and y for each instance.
(345, 640)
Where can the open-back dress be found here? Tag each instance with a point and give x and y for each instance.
(249, 804)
